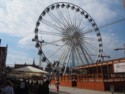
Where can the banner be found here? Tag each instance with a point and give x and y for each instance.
(3, 54)
(119, 67)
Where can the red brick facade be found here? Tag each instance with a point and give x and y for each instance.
(101, 78)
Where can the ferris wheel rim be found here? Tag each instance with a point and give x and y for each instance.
(58, 4)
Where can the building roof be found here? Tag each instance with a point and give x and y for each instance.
(113, 61)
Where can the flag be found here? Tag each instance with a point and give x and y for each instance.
(3, 54)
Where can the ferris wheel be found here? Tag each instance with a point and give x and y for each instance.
(67, 34)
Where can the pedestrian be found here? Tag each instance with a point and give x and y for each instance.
(8, 89)
(45, 86)
(23, 87)
(57, 85)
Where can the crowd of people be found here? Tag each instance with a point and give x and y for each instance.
(23, 86)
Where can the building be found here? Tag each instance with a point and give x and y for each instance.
(107, 75)
(24, 65)
(3, 56)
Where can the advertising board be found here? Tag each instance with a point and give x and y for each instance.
(119, 67)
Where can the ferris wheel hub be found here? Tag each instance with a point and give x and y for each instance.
(72, 34)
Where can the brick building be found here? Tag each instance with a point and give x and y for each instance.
(3, 56)
(99, 76)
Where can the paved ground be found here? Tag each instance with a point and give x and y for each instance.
(52, 91)
(72, 90)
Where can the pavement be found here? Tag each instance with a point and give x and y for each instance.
(74, 90)
(52, 91)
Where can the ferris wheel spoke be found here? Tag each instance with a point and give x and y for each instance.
(52, 25)
(82, 29)
(90, 38)
(69, 54)
(83, 52)
(63, 17)
(90, 42)
(64, 52)
(89, 54)
(65, 57)
(68, 17)
(71, 58)
(76, 56)
(74, 21)
(87, 51)
(56, 19)
(68, 61)
(81, 57)
(57, 50)
(52, 43)
(71, 22)
(80, 22)
(90, 45)
(88, 31)
(50, 33)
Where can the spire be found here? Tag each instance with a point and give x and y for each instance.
(0, 41)
(25, 63)
(34, 62)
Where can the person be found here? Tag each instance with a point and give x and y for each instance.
(23, 87)
(8, 89)
(57, 85)
(45, 85)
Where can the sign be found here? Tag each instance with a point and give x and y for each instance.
(119, 67)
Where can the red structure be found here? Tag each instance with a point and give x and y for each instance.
(100, 76)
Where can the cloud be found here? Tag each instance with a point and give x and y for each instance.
(95, 10)
(18, 18)
(27, 41)
(19, 57)
(110, 42)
